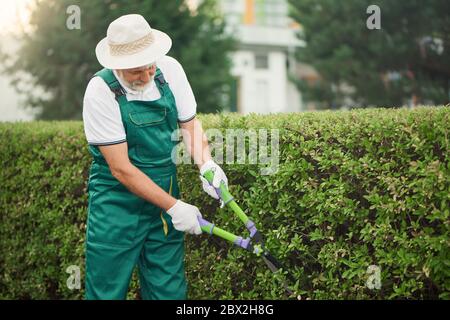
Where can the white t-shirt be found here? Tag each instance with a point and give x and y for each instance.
(101, 114)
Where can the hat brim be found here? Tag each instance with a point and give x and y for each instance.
(157, 50)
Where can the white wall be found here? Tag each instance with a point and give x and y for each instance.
(264, 90)
(278, 82)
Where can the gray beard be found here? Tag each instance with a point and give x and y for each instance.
(134, 87)
(140, 88)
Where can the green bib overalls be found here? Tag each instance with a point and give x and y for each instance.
(124, 230)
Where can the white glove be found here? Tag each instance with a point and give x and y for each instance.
(219, 176)
(184, 217)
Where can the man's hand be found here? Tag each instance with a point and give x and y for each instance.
(184, 217)
(219, 176)
(197, 146)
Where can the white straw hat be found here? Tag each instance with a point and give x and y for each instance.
(131, 43)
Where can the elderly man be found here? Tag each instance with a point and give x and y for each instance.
(131, 108)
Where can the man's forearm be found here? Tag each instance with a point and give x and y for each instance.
(141, 185)
(196, 142)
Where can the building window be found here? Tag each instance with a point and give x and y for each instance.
(273, 13)
(261, 61)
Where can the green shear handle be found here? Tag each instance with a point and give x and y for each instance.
(254, 243)
(226, 197)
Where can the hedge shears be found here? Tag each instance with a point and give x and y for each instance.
(254, 243)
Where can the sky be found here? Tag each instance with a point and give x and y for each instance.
(12, 14)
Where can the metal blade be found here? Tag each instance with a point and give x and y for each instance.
(270, 264)
(274, 266)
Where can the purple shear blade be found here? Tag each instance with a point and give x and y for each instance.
(238, 241)
(243, 243)
(251, 227)
(206, 223)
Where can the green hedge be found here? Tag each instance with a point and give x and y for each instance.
(353, 189)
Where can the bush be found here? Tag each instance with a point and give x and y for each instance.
(353, 189)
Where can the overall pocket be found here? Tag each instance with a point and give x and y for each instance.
(150, 117)
(153, 133)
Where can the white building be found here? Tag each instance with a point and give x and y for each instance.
(264, 59)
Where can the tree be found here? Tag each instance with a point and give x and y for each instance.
(61, 60)
(406, 61)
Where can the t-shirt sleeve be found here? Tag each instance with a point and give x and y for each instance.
(182, 91)
(101, 115)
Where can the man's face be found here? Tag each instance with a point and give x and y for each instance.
(138, 79)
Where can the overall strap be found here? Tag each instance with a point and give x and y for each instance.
(160, 81)
(108, 76)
